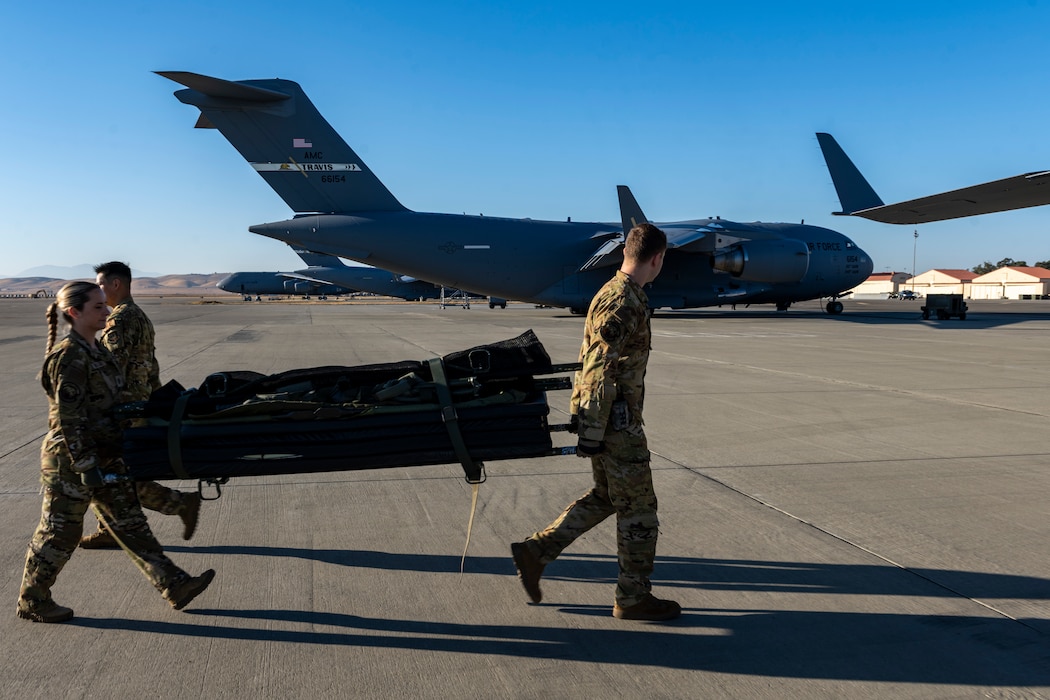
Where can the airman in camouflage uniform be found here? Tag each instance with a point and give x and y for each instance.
(81, 465)
(606, 410)
(129, 335)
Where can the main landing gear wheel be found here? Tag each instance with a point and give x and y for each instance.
(783, 305)
(834, 307)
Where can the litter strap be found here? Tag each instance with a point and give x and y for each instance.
(473, 470)
(174, 437)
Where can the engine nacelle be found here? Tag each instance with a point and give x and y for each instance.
(782, 260)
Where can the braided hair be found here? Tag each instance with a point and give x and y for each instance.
(72, 296)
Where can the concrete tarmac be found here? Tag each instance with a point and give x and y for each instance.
(851, 506)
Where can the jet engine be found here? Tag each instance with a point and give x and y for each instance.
(783, 260)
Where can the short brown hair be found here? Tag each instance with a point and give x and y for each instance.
(644, 242)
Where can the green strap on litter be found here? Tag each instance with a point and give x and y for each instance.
(474, 470)
(174, 437)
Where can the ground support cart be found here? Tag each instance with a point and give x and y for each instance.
(944, 306)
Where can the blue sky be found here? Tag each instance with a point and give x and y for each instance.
(532, 109)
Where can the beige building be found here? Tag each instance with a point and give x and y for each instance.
(881, 284)
(1011, 283)
(942, 282)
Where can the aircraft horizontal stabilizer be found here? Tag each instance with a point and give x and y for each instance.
(222, 89)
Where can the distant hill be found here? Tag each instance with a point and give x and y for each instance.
(142, 286)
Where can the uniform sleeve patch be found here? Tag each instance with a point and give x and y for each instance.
(69, 392)
(613, 331)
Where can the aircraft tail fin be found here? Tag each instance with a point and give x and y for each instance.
(313, 259)
(276, 128)
(630, 213)
(855, 194)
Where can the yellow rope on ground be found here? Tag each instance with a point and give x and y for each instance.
(470, 524)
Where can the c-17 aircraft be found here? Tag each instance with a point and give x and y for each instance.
(343, 209)
(297, 282)
(331, 272)
(859, 199)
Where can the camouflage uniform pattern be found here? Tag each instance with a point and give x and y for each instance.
(130, 336)
(614, 354)
(82, 384)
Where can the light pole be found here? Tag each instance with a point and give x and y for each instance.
(914, 246)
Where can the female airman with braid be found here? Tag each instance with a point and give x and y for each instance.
(80, 462)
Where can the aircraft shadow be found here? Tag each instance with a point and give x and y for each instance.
(989, 650)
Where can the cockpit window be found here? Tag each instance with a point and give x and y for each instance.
(850, 244)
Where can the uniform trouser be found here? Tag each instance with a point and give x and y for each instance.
(154, 496)
(623, 484)
(66, 500)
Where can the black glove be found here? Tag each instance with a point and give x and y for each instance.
(92, 478)
(589, 448)
(574, 423)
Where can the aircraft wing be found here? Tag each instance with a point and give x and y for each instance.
(859, 199)
(610, 252)
(304, 278)
(687, 240)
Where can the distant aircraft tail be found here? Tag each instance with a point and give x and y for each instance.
(313, 259)
(273, 124)
(855, 194)
(630, 213)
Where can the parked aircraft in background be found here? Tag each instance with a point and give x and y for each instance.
(382, 282)
(859, 199)
(328, 272)
(298, 282)
(342, 208)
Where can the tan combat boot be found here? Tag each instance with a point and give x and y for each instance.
(47, 611)
(530, 569)
(180, 594)
(188, 513)
(649, 608)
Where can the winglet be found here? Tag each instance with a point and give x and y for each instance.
(630, 213)
(855, 194)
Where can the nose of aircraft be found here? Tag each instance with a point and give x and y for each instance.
(225, 283)
(866, 264)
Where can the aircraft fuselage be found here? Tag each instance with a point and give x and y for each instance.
(519, 258)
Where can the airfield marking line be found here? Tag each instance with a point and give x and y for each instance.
(206, 347)
(853, 384)
(851, 543)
